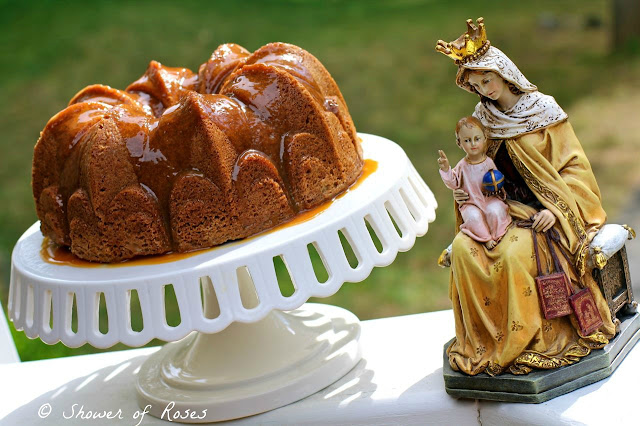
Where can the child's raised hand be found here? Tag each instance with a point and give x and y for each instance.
(443, 162)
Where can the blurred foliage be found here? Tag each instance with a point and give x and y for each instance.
(380, 53)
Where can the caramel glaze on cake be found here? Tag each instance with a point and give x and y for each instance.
(182, 161)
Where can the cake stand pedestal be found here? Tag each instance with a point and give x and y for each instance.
(249, 368)
(246, 355)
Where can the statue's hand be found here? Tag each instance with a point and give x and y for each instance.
(443, 162)
(543, 220)
(460, 196)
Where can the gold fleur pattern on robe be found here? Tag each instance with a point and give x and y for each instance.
(473, 251)
(500, 336)
(513, 238)
(516, 326)
(481, 350)
(497, 267)
(487, 301)
(527, 292)
(547, 327)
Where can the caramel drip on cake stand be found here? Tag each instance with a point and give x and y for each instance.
(60, 255)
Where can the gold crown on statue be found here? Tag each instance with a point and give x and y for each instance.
(469, 46)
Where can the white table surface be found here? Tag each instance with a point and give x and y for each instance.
(8, 351)
(398, 381)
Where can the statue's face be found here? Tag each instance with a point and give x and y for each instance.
(488, 84)
(472, 141)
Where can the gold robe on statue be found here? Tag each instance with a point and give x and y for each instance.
(499, 322)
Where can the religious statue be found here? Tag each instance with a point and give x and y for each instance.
(551, 194)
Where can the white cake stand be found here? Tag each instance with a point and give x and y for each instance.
(247, 355)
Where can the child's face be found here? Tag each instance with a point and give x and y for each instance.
(472, 141)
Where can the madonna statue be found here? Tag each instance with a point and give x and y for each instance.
(500, 325)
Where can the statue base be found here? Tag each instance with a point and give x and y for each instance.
(543, 385)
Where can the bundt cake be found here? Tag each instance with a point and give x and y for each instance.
(181, 161)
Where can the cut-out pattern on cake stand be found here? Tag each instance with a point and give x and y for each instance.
(248, 354)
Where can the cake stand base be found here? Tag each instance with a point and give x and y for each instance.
(248, 369)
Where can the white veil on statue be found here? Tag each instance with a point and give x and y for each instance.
(533, 111)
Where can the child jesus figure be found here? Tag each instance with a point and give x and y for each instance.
(486, 217)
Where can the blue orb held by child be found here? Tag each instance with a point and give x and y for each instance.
(493, 181)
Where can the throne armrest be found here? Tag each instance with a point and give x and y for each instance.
(607, 242)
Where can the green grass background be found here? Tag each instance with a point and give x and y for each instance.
(380, 53)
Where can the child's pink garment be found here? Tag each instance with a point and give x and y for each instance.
(485, 217)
